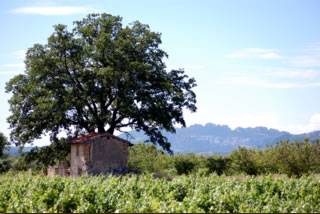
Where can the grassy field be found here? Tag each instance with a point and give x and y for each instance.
(24, 192)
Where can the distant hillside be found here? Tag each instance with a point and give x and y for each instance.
(221, 139)
(15, 151)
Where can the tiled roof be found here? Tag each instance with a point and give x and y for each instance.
(87, 138)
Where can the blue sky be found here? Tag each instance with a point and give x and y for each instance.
(257, 63)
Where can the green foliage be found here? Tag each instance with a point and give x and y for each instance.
(20, 164)
(298, 158)
(147, 158)
(183, 165)
(243, 160)
(217, 165)
(5, 165)
(100, 76)
(25, 193)
(291, 158)
(3, 144)
(42, 157)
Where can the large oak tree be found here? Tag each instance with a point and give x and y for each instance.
(99, 77)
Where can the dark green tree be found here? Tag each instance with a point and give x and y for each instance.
(42, 157)
(100, 76)
(4, 162)
(217, 164)
(184, 164)
(3, 144)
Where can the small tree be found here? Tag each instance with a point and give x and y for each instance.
(42, 157)
(146, 158)
(296, 158)
(3, 144)
(4, 162)
(243, 160)
(217, 165)
(183, 164)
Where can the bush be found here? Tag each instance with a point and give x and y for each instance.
(183, 165)
(298, 158)
(3, 144)
(146, 158)
(243, 160)
(5, 165)
(291, 158)
(217, 165)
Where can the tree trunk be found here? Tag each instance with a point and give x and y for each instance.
(111, 129)
(101, 128)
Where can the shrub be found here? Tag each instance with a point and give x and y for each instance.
(217, 165)
(5, 165)
(243, 160)
(183, 165)
(147, 158)
(297, 158)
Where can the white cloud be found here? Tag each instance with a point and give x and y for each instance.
(194, 67)
(264, 83)
(188, 66)
(10, 73)
(47, 2)
(289, 72)
(273, 77)
(14, 65)
(255, 53)
(307, 57)
(311, 60)
(313, 124)
(17, 66)
(20, 54)
(53, 10)
(306, 74)
(310, 57)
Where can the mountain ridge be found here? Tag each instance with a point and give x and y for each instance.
(221, 139)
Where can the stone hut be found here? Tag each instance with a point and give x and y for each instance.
(97, 153)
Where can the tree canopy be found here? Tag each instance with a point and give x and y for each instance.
(100, 76)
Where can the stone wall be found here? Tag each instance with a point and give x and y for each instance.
(100, 155)
(61, 169)
(80, 156)
(108, 154)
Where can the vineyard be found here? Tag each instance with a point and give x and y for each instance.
(32, 193)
